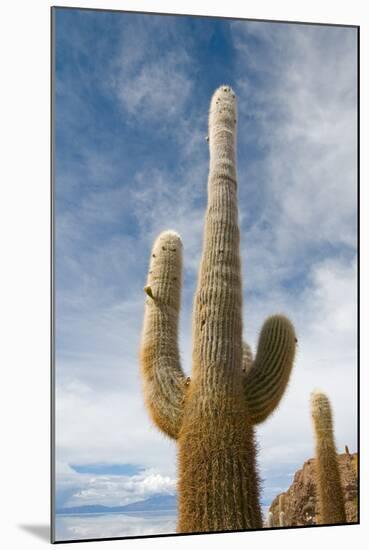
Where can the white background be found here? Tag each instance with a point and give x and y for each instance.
(25, 268)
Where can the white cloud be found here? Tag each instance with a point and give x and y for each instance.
(151, 82)
(93, 425)
(306, 124)
(110, 490)
(159, 89)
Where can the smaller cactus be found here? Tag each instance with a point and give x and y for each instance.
(347, 451)
(282, 515)
(270, 520)
(329, 488)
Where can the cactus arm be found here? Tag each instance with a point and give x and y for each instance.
(266, 381)
(164, 382)
(328, 481)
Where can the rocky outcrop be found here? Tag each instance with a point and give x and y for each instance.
(300, 500)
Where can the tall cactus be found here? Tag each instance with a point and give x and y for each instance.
(329, 488)
(212, 415)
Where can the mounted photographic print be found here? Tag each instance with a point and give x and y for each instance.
(205, 274)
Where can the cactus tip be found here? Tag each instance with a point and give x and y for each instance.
(316, 394)
(170, 235)
(221, 93)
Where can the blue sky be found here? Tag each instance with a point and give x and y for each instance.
(132, 96)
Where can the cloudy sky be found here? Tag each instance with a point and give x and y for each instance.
(132, 97)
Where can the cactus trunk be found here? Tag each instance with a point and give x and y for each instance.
(329, 488)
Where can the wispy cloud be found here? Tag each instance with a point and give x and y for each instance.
(150, 79)
(160, 89)
(305, 129)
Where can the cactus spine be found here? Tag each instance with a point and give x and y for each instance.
(212, 415)
(329, 488)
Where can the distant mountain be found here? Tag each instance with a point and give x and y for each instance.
(155, 503)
